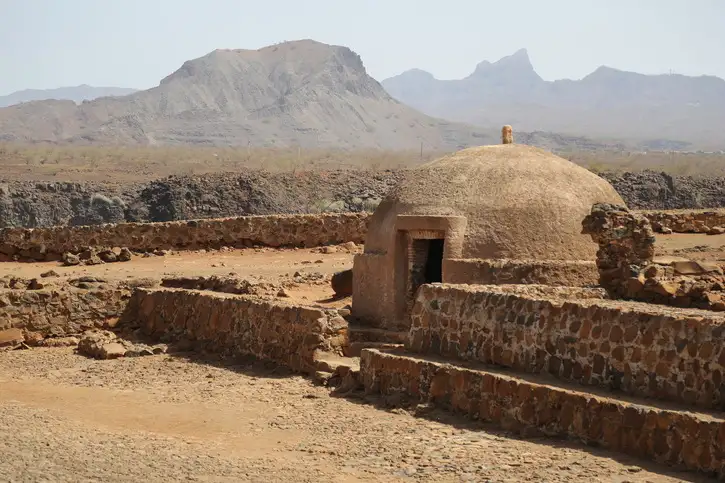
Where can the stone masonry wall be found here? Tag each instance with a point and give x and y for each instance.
(239, 325)
(627, 268)
(44, 313)
(530, 409)
(548, 272)
(687, 221)
(276, 230)
(640, 349)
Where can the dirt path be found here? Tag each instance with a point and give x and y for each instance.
(164, 418)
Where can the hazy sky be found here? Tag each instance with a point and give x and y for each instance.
(135, 43)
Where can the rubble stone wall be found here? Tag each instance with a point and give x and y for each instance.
(275, 230)
(46, 313)
(627, 268)
(686, 221)
(239, 325)
(640, 349)
(549, 272)
(677, 438)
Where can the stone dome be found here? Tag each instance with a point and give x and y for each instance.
(520, 202)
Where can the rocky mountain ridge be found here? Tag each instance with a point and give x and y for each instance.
(76, 94)
(654, 111)
(302, 93)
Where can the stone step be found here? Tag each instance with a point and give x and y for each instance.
(539, 405)
(357, 333)
(335, 364)
(355, 348)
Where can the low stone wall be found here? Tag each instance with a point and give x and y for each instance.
(46, 313)
(275, 231)
(548, 272)
(686, 221)
(238, 325)
(696, 442)
(640, 349)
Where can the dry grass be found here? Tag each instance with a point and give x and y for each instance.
(133, 163)
(677, 164)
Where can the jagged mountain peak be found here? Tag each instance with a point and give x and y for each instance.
(516, 66)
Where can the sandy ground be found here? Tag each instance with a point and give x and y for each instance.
(163, 418)
(263, 265)
(695, 246)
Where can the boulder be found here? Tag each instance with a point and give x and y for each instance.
(71, 260)
(100, 345)
(342, 283)
(125, 255)
(107, 256)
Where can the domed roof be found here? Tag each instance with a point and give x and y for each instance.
(521, 202)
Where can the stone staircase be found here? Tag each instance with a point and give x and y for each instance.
(537, 405)
(500, 358)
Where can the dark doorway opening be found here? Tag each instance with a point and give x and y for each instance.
(434, 263)
(425, 265)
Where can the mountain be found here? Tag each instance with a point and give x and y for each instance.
(660, 111)
(76, 94)
(302, 93)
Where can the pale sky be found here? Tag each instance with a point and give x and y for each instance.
(135, 43)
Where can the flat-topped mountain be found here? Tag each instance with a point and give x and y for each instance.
(301, 93)
(76, 94)
(655, 109)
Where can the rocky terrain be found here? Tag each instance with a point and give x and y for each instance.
(301, 93)
(37, 204)
(28, 204)
(656, 112)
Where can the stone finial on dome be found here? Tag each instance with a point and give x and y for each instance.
(507, 135)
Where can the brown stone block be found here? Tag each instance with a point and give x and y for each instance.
(705, 350)
(633, 417)
(484, 409)
(487, 386)
(616, 334)
(648, 337)
(505, 388)
(662, 369)
(554, 365)
(524, 392)
(495, 411)
(605, 348)
(611, 435)
(587, 373)
(618, 354)
(586, 327)
(630, 333)
(650, 359)
(598, 367)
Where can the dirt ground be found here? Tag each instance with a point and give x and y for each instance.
(66, 418)
(165, 418)
(695, 246)
(260, 265)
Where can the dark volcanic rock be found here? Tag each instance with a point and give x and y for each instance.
(656, 191)
(26, 204)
